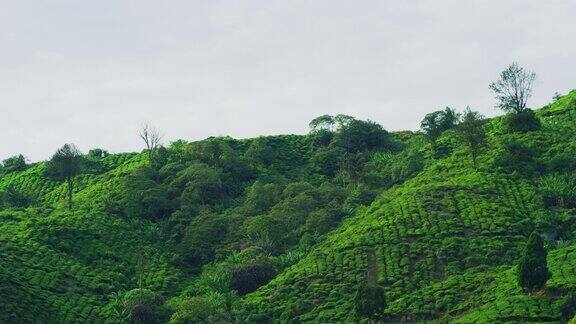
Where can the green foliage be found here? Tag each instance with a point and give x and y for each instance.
(294, 235)
(532, 268)
(387, 169)
(472, 132)
(261, 197)
(196, 309)
(327, 161)
(201, 238)
(435, 123)
(358, 136)
(324, 122)
(15, 163)
(559, 189)
(137, 306)
(370, 301)
(97, 153)
(518, 156)
(199, 185)
(65, 164)
(12, 197)
(524, 121)
(248, 278)
(141, 196)
(321, 138)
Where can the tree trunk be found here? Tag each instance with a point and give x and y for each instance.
(70, 188)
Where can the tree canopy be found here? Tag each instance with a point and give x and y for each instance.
(514, 88)
(65, 164)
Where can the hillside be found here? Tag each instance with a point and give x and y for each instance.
(446, 241)
(285, 229)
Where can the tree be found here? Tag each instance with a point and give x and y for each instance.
(557, 96)
(140, 196)
(12, 197)
(435, 123)
(514, 88)
(358, 136)
(324, 122)
(532, 268)
(201, 238)
(151, 137)
(65, 164)
(97, 153)
(471, 130)
(13, 164)
(201, 185)
(343, 120)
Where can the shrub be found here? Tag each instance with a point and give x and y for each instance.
(321, 221)
(200, 184)
(327, 161)
(265, 231)
(260, 197)
(518, 156)
(248, 278)
(532, 268)
(142, 306)
(568, 307)
(370, 301)
(142, 197)
(562, 162)
(14, 198)
(360, 195)
(559, 190)
(202, 236)
(524, 121)
(196, 309)
(385, 170)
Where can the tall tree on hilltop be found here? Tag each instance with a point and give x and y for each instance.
(324, 122)
(435, 123)
(514, 88)
(151, 137)
(471, 130)
(66, 163)
(532, 268)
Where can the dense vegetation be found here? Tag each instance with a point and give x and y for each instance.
(349, 222)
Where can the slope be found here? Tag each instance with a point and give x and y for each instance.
(447, 240)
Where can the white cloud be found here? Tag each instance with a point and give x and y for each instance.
(91, 72)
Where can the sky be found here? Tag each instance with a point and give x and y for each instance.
(92, 72)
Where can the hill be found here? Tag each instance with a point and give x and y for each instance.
(286, 228)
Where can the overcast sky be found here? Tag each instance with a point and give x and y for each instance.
(91, 72)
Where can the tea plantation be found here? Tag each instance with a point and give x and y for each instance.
(285, 229)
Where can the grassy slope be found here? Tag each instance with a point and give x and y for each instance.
(445, 241)
(58, 266)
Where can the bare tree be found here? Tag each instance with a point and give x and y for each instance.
(151, 137)
(513, 88)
